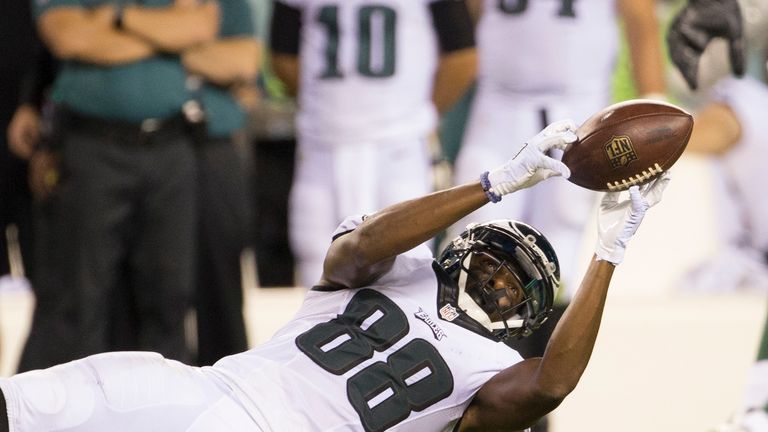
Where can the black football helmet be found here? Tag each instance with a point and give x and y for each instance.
(519, 248)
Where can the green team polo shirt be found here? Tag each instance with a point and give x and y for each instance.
(150, 88)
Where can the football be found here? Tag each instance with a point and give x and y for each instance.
(628, 143)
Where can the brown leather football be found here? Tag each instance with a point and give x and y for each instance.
(628, 143)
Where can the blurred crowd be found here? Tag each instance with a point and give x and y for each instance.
(147, 145)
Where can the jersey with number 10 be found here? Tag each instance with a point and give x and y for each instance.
(365, 63)
(368, 360)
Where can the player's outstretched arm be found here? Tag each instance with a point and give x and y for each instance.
(696, 25)
(518, 396)
(359, 257)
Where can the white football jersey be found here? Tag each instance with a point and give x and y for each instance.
(367, 69)
(744, 163)
(549, 46)
(369, 359)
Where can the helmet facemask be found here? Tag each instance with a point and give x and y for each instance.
(506, 273)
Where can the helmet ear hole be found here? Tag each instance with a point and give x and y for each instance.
(527, 254)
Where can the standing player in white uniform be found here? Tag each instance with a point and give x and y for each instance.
(371, 77)
(390, 339)
(731, 128)
(541, 60)
(545, 59)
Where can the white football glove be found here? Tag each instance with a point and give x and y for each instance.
(617, 221)
(531, 164)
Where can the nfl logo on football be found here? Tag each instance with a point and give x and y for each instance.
(620, 151)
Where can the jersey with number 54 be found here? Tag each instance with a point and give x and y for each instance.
(369, 359)
(556, 46)
(364, 64)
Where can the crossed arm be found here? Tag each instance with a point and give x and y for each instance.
(185, 27)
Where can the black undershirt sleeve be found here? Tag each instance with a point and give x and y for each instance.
(285, 29)
(453, 23)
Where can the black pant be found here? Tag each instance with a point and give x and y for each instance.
(225, 229)
(4, 426)
(116, 235)
(15, 207)
(273, 175)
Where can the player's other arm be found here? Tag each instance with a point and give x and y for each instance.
(285, 36)
(518, 396)
(359, 257)
(89, 36)
(457, 65)
(715, 131)
(643, 35)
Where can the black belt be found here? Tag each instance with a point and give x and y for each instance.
(148, 131)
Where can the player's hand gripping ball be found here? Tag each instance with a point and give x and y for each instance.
(628, 143)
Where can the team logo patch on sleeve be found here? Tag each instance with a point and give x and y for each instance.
(438, 332)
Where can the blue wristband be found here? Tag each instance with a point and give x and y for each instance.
(486, 184)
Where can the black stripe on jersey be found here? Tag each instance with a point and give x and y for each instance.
(453, 23)
(285, 29)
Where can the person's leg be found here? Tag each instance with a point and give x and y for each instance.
(408, 157)
(121, 392)
(272, 179)
(762, 352)
(756, 392)
(163, 250)
(15, 209)
(4, 426)
(224, 226)
(562, 211)
(312, 210)
(497, 126)
(85, 213)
